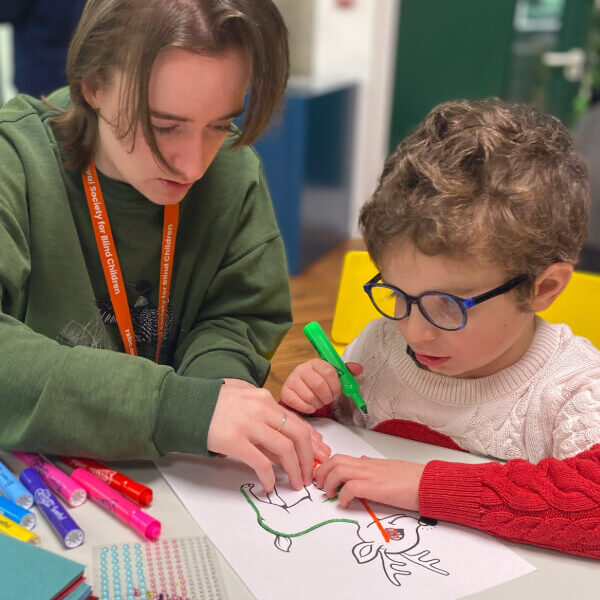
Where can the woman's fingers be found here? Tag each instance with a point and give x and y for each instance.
(306, 448)
(321, 449)
(248, 424)
(255, 459)
(284, 452)
(292, 445)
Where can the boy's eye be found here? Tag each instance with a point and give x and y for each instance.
(386, 299)
(164, 130)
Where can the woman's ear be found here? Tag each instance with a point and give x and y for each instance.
(90, 93)
(549, 284)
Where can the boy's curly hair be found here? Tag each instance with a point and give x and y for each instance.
(497, 182)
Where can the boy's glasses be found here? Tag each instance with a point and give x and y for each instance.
(445, 311)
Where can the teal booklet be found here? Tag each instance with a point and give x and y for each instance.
(27, 571)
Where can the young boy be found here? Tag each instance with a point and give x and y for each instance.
(475, 226)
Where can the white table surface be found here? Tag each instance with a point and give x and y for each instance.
(558, 576)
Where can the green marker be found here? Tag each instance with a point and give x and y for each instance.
(316, 336)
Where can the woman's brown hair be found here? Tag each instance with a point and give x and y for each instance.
(127, 35)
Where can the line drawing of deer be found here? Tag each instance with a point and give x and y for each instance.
(278, 510)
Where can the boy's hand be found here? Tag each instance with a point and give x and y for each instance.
(313, 384)
(393, 482)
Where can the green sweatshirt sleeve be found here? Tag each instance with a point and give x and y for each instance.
(246, 310)
(89, 402)
(75, 400)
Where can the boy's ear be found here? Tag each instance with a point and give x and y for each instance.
(549, 284)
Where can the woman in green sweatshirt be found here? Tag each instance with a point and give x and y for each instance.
(143, 282)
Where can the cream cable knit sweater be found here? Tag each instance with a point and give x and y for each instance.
(546, 404)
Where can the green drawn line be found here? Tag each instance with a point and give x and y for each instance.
(329, 499)
(262, 523)
(326, 499)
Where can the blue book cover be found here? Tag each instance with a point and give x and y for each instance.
(81, 592)
(27, 571)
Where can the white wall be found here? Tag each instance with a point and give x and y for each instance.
(7, 89)
(359, 43)
(342, 39)
(374, 106)
(331, 45)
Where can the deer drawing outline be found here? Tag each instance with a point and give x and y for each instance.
(278, 511)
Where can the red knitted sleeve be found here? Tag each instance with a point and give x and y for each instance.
(554, 504)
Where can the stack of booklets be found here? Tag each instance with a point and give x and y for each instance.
(32, 573)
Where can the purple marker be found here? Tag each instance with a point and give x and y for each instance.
(69, 532)
(72, 493)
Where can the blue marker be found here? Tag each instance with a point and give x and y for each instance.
(18, 514)
(13, 489)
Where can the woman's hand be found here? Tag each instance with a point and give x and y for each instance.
(313, 384)
(393, 482)
(249, 424)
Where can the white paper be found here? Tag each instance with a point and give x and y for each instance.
(308, 547)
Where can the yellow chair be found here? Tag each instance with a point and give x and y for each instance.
(353, 309)
(578, 306)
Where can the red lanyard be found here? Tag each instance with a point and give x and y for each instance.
(112, 269)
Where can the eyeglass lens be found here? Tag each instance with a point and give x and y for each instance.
(440, 309)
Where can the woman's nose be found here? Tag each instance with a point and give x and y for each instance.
(190, 160)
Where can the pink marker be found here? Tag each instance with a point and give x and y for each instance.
(73, 494)
(117, 504)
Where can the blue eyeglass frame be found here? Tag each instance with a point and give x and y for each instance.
(463, 303)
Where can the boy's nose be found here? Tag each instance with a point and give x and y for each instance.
(416, 328)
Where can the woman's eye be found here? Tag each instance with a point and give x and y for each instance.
(222, 127)
(164, 130)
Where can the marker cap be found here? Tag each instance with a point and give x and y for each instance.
(136, 491)
(145, 524)
(74, 538)
(28, 521)
(77, 498)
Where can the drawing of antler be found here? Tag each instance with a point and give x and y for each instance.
(419, 559)
(392, 567)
